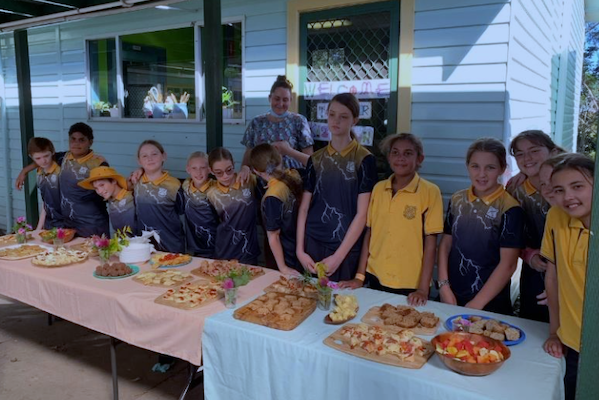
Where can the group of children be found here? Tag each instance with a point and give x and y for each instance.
(382, 235)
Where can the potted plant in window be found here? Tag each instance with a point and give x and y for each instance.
(101, 109)
(228, 103)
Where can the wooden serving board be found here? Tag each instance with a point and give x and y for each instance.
(372, 317)
(8, 258)
(138, 280)
(9, 239)
(273, 320)
(187, 306)
(339, 342)
(197, 272)
(296, 292)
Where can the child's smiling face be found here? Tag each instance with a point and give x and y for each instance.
(106, 188)
(573, 192)
(79, 144)
(198, 170)
(404, 158)
(151, 158)
(545, 182)
(224, 170)
(484, 170)
(529, 157)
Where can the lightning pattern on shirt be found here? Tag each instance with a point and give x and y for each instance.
(200, 218)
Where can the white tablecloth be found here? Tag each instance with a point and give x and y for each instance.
(248, 361)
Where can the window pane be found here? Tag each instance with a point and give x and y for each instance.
(102, 62)
(232, 62)
(159, 74)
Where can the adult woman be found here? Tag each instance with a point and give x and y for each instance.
(287, 131)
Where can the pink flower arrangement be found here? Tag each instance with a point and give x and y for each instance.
(60, 233)
(21, 220)
(228, 283)
(21, 226)
(22, 231)
(101, 242)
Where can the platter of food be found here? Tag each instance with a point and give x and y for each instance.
(166, 278)
(59, 258)
(10, 239)
(345, 310)
(22, 251)
(382, 345)
(170, 260)
(403, 317)
(191, 295)
(214, 269)
(277, 310)
(49, 235)
(116, 270)
(294, 286)
(470, 354)
(507, 333)
(87, 245)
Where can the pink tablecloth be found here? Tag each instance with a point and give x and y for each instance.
(120, 308)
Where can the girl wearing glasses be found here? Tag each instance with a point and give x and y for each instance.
(236, 206)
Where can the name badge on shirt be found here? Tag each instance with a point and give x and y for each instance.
(162, 192)
(83, 170)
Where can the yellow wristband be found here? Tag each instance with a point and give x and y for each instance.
(360, 277)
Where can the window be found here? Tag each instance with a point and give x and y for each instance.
(152, 75)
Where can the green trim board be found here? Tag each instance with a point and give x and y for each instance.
(213, 62)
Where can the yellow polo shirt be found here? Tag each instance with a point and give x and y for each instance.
(398, 225)
(566, 244)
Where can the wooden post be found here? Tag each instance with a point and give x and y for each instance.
(212, 45)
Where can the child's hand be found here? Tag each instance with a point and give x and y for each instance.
(515, 181)
(20, 181)
(306, 261)
(332, 262)
(537, 263)
(243, 176)
(136, 175)
(447, 296)
(554, 346)
(542, 298)
(285, 270)
(353, 284)
(282, 147)
(417, 298)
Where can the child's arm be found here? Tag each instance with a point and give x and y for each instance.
(302, 215)
(363, 263)
(445, 291)
(277, 251)
(134, 178)
(285, 149)
(420, 296)
(23, 175)
(552, 345)
(355, 230)
(499, 278)
(40, 224)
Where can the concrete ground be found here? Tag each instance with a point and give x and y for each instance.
(68, 362)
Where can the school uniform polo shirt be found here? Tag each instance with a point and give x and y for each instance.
(83, 210)
(157, 205)
(200, 218)
(48, 184)
(480, 227)
(398, 224)
(121, 210)
(566, 244)
(237, 234)
(279, 213)
(336, 179)
(535, 208)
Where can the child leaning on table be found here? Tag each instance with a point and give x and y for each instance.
(565, 247)
(483, 235)
(41, 151)
(201, 220)
(279, 205)
(404, 217)
(112, 187)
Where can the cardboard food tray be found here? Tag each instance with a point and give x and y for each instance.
(45, 249)
(339, 342)
(184, 306)
(177, 284)
(272, 320)
(372, 317)
(295, 292)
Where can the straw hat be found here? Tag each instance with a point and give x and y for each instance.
(103, 173)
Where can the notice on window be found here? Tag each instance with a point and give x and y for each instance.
(367, 89)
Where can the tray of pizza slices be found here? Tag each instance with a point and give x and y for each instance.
(213, 269)
(277, 310)
(191, 295)
(400, 348)
(295, 286)
(163, 278)
(403, 317)
(11, 239)
(22, 251)
(59, 258)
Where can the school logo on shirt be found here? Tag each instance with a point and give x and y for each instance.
(246, 193)
(53, 178)
(351, 167)
(162, 192)
(122, 202)
(83, 170)
(410, 212)
(492, 213)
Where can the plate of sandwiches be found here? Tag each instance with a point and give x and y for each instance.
(22, 251)
(509, 334)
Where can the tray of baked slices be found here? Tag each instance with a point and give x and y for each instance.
(59, 258)
(214, 269)
(86, 245)
(11, 239)
(403, 317)
(277, 310)
(387, 346)
(294, 286)
(22, 251)
(163, 278)
(191, 295)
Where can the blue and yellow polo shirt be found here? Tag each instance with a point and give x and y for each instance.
(480, 227)
(279, 213)
(535, 209)
(158, 204)
(48, 184)
(335, 180)
(398, 224)
(121, 211)
(82, 209)
(237, 234)
(200, 218)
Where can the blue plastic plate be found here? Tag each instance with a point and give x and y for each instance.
(135, 269)
(449, 326)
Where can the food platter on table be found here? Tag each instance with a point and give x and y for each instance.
(295, 286)
(22, 251)
(403, 317)
(486, 326)
(214, 269)
(164, 278)
(345, 310)
(400, 348)
(115, 271)
(191, 295)
(277, 310)
(11, 239)
(170, 260)
(48, 235)
(87, 245)
(59, 258)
